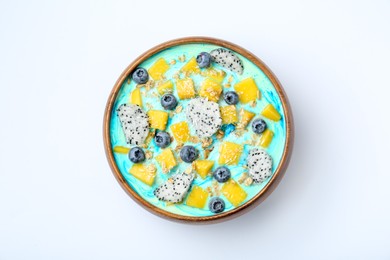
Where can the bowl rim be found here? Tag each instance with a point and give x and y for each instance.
(250, 204)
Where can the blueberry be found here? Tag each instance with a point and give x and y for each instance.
(140, 76)
(162, 139)
(189, 153)
(231, 97)
(222, 174)
(203, 59)
(136, 155)
(216, 205)
(259, 125)
(168, 101)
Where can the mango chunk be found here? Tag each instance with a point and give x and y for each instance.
(166, 87)
(210, 89)
(266, 138)
(158, 119)
(158, 69)
(191, 66)
(247, 90)
(144, 173)
(216, 75)
(270, 112)
(197, 197)
(245, 117)
(180, 132)
(203, 167)
(185, 88)
(229, 114)
(233, 192)
(135, 97)
(166, 159)
(230, 153)
(121, 149)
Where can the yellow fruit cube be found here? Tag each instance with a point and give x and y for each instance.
(197, 197)
(270, 112)
(266, 138)
(229, 114)
(233, 192)
(166, 159)
(180, 132)
(191, 66)
(166, 87)
(210, 89)
(230, 153)
(135, 97)
(121, 149)
(185, 88)
(217, 75)
(144, 173)
(245, 118)
(247, 90)
(203, 167)
(158, 69)
(158, 119)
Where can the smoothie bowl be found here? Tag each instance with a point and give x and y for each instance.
(198, 130)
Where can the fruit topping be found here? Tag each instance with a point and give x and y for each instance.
(185, 88)
(134, 123)
(135, 97)
(166, 159)
(175, 188)
(144, 173)
(203, 59)
(227, 59)
(222, 174)
(210, 89)
(197, 197)
(230, 153)
(266, 138)
(158, 119)
(166, 87)
(158, 69)
(121, 149)
(270, 112)
(204, 116)
(180, 132)
(203, 167)
(247, 90)
(229, 114)
(231, 97)
(140, 76)
(136, 155)
(233, 192)
(259, 126)
(245, 117)
(216, 205)
(189, 153)
(259, 163)
(168, 101)
(191, 67)
(217, 75)
(162, 139)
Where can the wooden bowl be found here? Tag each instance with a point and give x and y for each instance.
(259, 197)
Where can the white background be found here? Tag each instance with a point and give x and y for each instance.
(58, 63)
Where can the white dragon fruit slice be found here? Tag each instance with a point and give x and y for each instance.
(204, 116)
(259, 163)
(227, 59)
(175, 189)
(135, 123)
